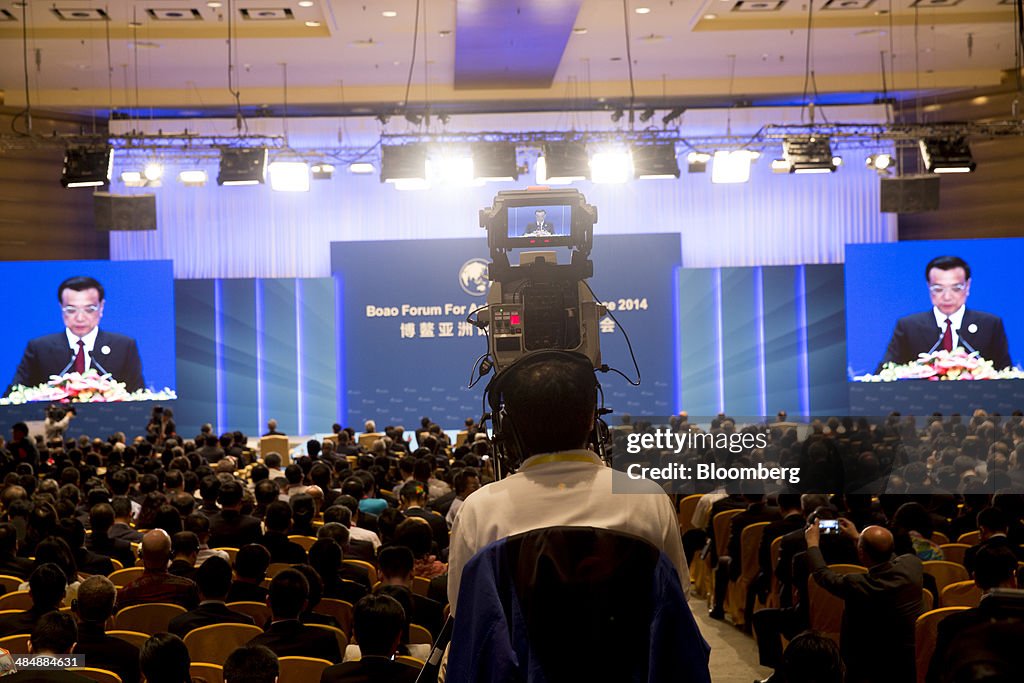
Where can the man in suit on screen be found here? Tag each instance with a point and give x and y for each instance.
(540, 227)
(949, 324)
(82, 345)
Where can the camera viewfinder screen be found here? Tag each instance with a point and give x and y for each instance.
(529, 222)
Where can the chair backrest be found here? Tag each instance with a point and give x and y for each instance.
(366, 439)
(301, 669)
(371, 571)
(939, 538)
(206, 672)
(686, 507)
(826, 610)
(215, 642)
(134, 637)
(420, 586)
(927, 600)
(276, 568)
(305, 541)
(98, 675)
(419, 635)
(148, 618)
(960, 594)
(750, 543)
(720, 526)
(339, 609)
(338, 634)
(10, 583)
(970, 538)
(410, 661)
(276, 444)
(259, 611)
(775, 551)
(20, 600)
(954, 552)
(18, 643)
(926, 631)
(122, 577)
(116, 564)
(232, 553)
(945, 573)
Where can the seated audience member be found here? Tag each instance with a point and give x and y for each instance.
(404, 597)
(251, 564)
(200, 526)
(156, 584)
(467, 480)
(273, 463)
(423, 471)
(414, 500)
(101, 521)
(122, 529)
(94, 605)
(229, 528)
(396, 569)
(293, 486)
(277, 522)
(213, 579)
(54, 634)
(184, 551)
(46, 586)
(304, 510)
(415, 534)
(993, 528)
(356, 531)
(812, 658)
(912, 528)
(251, 664)
(880, 607)
(316, 594)
(10, 563)
(286, 635)
(73, 532)
(165, 659)
(995, 567)
(56, 550)
(265, 492)
(378, 624)
(325, 556)
(209, 489)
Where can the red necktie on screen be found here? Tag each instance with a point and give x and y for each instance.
(80, 358)
(947, 336)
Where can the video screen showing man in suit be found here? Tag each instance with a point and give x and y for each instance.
(949, 324)
(539, 221)
(82, 345)
(541, 226)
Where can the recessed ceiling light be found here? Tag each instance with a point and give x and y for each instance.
(579, 31)
(214, 4)
(305, 3)
(709, 17)
(444, 33)
(313, 24)
(643, 10)
(135, 24)
(389, 13)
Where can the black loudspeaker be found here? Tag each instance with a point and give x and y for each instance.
(910, 194)
(124, 212)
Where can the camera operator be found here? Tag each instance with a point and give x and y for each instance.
(57, 420)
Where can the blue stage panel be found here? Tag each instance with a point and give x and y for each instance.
(741, 355)
(781, 341)
(239, 385)
(826, 340)
(315, 325)
(699, 366)
(196, 336)
(278, 354)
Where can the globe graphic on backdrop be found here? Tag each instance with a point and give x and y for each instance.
(473, 277)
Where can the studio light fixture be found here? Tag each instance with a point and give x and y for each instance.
(414, 119)
(611, 165)
(495, 161)
(672, 115)
(451, 167)
(697, 162)
(780, 166)
(361, 168)
(732, 166)
(403, 162)
(652, 162)
(617, 115)
(325, 171)
(193, 178)
(289, 176)
(87, 166)
(646, 115)
(946, 155)
(880, 162)
(808, 154)
(153, 172)
(242, 166)
(133, 179)
(565, 162)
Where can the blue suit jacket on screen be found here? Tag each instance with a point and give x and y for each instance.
(918, 333)
(49, 354)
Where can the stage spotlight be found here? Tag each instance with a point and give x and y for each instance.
(87, 166)
(540, 169)
(879, 162)
(403, 162)
(192, 178)
(946, 155)
(808, 154)
(697, 162)
(242, 166)
(732, 166)
(780, 166)
(452, 168)
(324, 171)
(672, 115)
(651, 162)
(133, 178)
(414, 119)
(153, 172)
(495, 161)
(617, 115)
(646, 115)
(444, 119)
(611, 166)
(361, 168)
(289, 176)
(565, 162)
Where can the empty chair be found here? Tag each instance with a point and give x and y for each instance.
(149, 618)
(960, 594)
(215, 642)
(944, 573)
(954, 552)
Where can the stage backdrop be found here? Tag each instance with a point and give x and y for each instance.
(407, 352)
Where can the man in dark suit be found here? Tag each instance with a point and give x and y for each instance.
(101, 520)
(396, 565)
(541, 227)
(287, 636)
(880, 607)
(229, 528)
(949, 324)
(82, 345)
(214, 579)
(94, 605)
(46, 587)
(54, 634)
(993, 527)
(156, 584)
(378, 623)
(251, 564)
(10, 563)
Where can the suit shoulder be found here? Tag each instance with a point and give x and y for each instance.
(972, 314)
(920, 318)
(55, 339)
(114, 338)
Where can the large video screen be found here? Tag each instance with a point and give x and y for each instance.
(87, 331)
(935, 310)
(539, 221)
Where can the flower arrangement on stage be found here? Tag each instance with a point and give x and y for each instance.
(87, 387)
(942, 366)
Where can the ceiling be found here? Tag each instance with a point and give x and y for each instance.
(347, 57)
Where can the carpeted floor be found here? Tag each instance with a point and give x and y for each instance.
(733, 654)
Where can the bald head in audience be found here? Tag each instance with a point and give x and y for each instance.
(156, 549)
(875, 545)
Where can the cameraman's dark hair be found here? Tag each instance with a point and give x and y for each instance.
(80, 283)
(812, 658)
(55, 632)
(379, 621)
(164, 659)
(251, 664)
(550, 402)
(947, 263)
